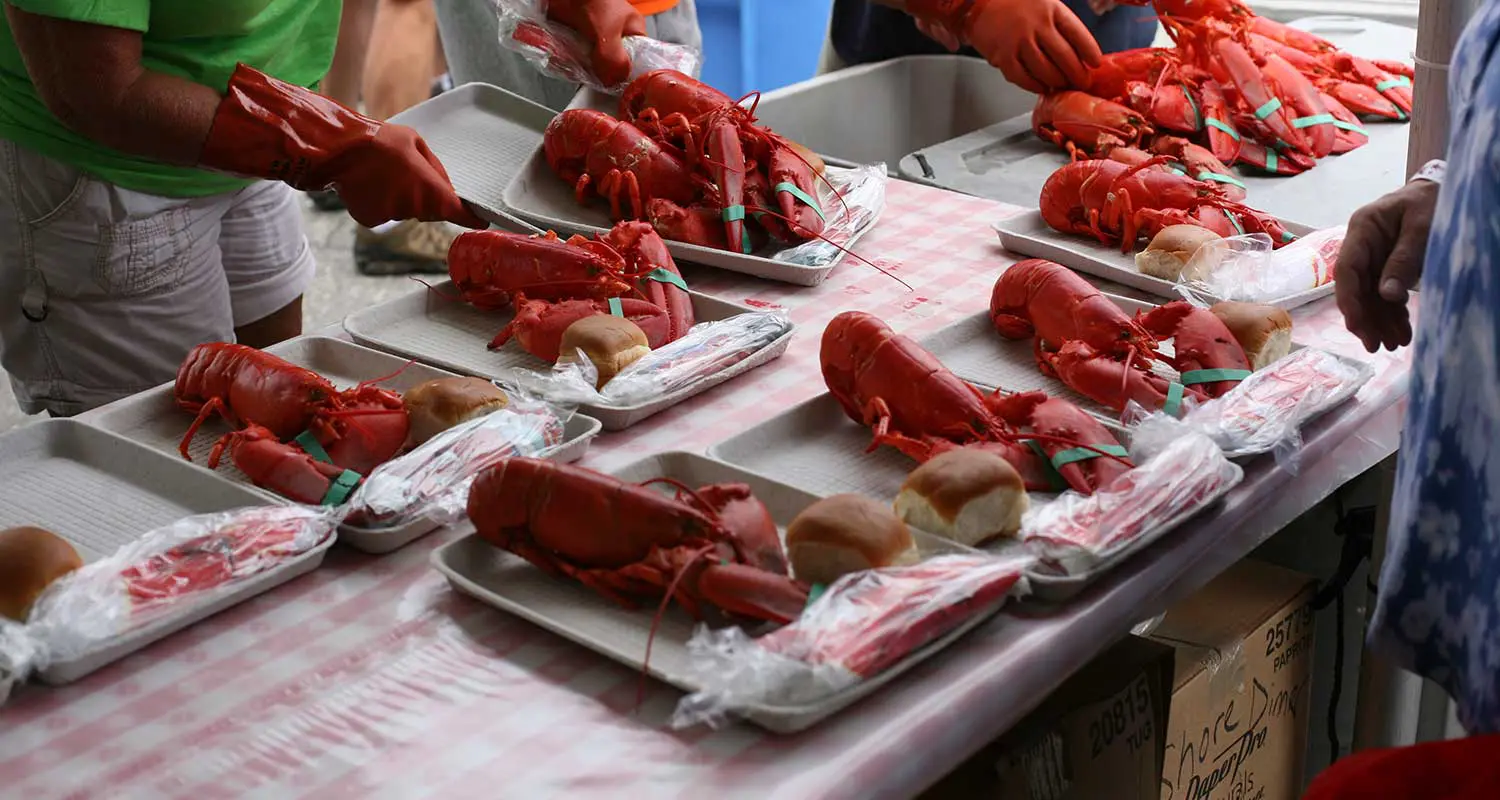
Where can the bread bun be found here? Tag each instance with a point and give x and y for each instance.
(1171, 249)
(967, 495)
(436, 406)
(612, 343)
(30, 560)
(1264, 332)
(846, 533)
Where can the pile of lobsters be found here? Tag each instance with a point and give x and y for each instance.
(1154, 132)
(692, 162)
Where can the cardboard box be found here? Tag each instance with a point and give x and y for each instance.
(1240, 707)
(1098, 736)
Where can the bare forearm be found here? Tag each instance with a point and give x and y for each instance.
(125, 106)
(160, 117)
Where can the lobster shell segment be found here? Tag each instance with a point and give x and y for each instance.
(631, 543)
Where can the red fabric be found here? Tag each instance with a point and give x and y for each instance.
(268, 128)
(1462, 768)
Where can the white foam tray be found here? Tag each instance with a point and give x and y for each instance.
(481, 134)
(153, 419)
(429, 326)
(508, 582)
(816, 447)
(1028, 235)
(537, 194)
(100, 491)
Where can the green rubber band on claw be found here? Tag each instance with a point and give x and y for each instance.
(664, 275)
(745, 242)
(1194, 377)
(1349, 126)
(1053, 476)
(1400, 80)
(1271, 160)
(311, 446)
(1234, 219)
(1174, 399)
(791, 188)
(1316, 119)
(1193, 104)
(1268, 109)
(1078, 454)
(733, 213)
(341, 488)
(615, 307)
(1223, 126)
(814, 592)
(1288, 236)
(1219, 177)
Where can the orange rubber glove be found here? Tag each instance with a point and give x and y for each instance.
(1039, 45)
(603, 24)
(267, 128)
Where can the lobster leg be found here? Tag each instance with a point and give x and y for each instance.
(214, 405)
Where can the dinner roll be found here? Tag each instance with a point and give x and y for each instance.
(30, 560)
(967, 495)
(846, 533)
(436, 406)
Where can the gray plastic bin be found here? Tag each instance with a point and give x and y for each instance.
(881, 112)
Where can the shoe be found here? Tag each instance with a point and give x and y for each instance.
(326, 200)
(404, 248)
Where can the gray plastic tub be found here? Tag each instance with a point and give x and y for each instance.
(882, 112)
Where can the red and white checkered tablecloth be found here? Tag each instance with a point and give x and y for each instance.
(371, 678)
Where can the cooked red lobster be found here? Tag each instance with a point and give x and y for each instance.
(1090, 344)
(913, 403)
(1118, 203)
(553, 282)
(715, 545)
(275, 401)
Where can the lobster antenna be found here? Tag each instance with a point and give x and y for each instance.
(453, 298)
(384, 378)
(681, 490)
(661, 610)
(841, 248)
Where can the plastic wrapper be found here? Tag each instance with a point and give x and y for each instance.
(707, 350)
(864, 624)
(1265, 412)
(1245, 268)
(851, 199)
(432, 480)
(559, 52)
(1074, 533)
(179, 566)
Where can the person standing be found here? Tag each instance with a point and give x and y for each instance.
(1438, 607)
(151, 152)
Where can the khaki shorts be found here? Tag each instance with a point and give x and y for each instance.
(103, 291)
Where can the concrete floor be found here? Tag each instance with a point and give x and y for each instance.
(337, 290)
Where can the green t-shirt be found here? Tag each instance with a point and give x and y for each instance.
(200, 40)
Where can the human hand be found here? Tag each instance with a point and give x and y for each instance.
(603, 24)
(1039, 45)
(396, 177)
(1380, 261)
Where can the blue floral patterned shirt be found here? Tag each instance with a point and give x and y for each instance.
(1438, 612)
